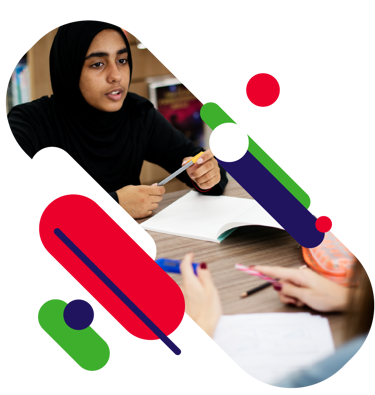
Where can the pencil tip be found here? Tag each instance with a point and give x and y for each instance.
(243, 295)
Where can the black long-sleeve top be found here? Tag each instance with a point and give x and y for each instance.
(113, 162)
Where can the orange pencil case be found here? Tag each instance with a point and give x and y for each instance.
(332, 260)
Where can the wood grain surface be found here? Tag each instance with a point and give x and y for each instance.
(247, 245)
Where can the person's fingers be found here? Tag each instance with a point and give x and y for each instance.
(200, 168)
(294, 291)
(153, 206)
(155, 190)
(185, 160)
(192, 169)
(293, 275)
(186, 268)
(145, 215)
(156, 198)
(205, 157)
(210, 183)
(286, 299)
(205, 178)
(204, 275)
(203, 169)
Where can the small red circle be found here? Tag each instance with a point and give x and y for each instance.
(323, 224)
(263, 89)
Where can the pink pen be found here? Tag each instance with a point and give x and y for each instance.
(254, 273)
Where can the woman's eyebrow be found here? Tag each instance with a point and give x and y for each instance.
(102, 54)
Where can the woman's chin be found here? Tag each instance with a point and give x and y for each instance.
(107, 104)
(110, 107)
(118, 108)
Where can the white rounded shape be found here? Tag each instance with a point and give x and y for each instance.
(228, 142)
(54, 173)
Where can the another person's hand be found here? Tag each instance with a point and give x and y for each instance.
(206, 172)
(139, 201)
(306, 287)
(202, 301)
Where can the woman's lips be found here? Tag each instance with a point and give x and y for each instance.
(115, 97)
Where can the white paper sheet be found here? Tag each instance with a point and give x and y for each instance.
(268, 346)
(203, 217)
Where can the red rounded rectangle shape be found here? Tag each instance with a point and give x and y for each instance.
(119, 257)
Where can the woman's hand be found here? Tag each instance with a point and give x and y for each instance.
(202, 302)
(305, 287)
(139, 201)
(206, 172)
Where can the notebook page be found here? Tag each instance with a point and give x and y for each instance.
(198, 216)
(269, 346)
(255, 215)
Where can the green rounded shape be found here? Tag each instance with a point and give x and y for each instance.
(88, 349)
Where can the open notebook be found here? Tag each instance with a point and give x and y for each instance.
(210, 218)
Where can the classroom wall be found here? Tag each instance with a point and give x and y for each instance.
(146, 67)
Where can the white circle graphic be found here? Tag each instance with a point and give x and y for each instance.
(228, 142)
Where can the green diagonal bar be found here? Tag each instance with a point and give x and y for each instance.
(214, 116)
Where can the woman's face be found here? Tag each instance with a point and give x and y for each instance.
(105, 74)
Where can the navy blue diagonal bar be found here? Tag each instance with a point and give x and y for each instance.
(117, 291)
(272, 195)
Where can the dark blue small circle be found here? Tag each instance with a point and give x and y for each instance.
(78, 314)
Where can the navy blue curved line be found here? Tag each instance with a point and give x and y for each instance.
(275, 199)
(117, 291)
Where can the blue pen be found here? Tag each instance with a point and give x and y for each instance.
(171, 266)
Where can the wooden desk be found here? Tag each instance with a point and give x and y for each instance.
(247, 245)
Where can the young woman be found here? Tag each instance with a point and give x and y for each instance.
(107, 130)
(299, 287)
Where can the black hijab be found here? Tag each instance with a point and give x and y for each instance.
(101, 142)
(67, 57)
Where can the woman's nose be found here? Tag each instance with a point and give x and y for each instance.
(114, 74)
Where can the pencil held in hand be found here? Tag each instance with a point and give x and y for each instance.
(191, 162)
(176, 173)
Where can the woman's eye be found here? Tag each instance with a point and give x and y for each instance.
(99, 64)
